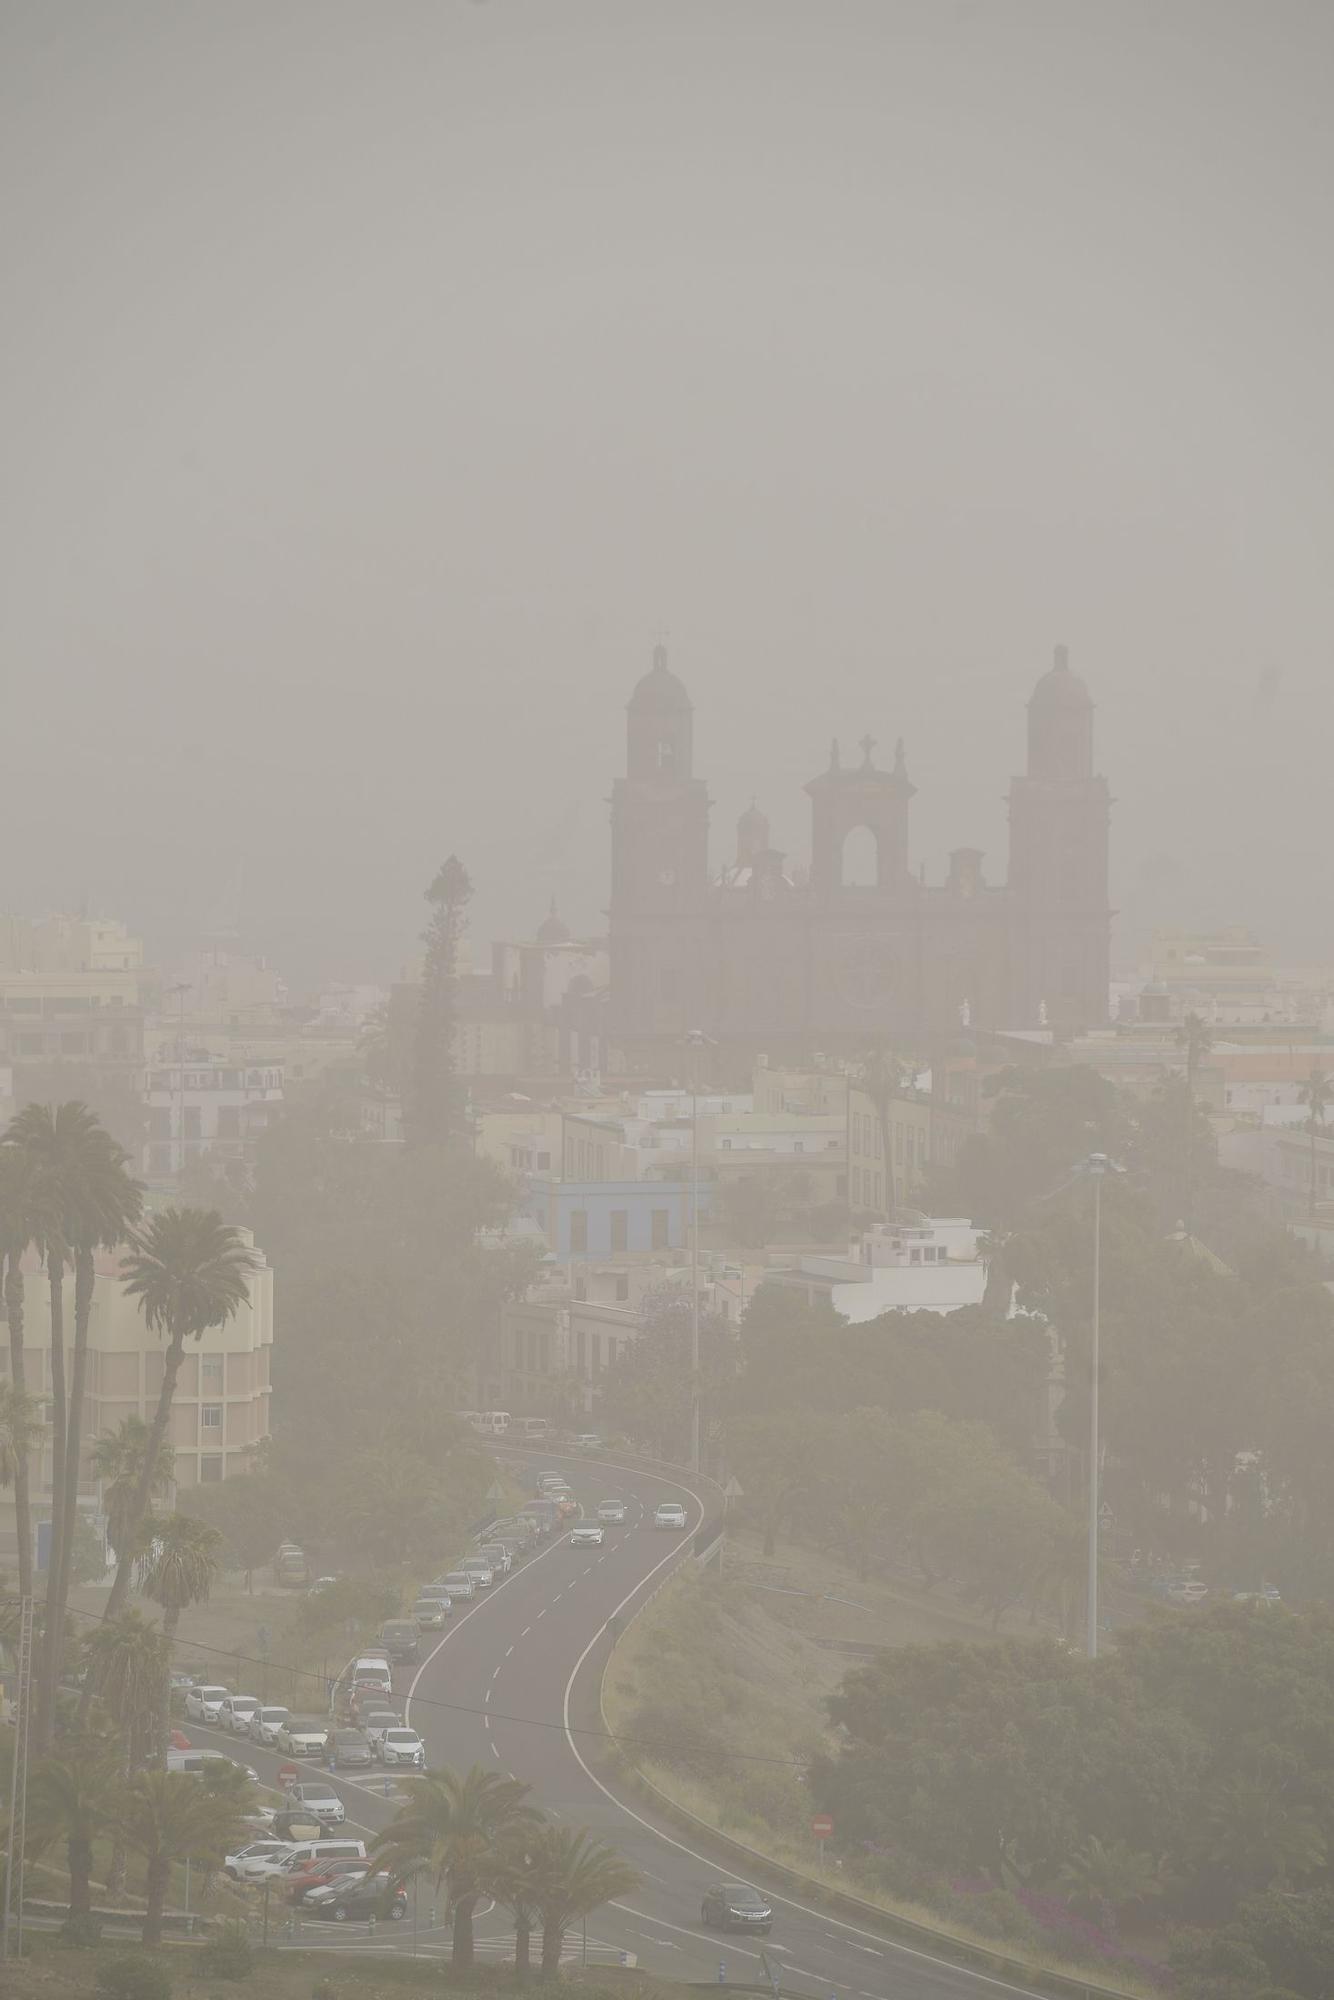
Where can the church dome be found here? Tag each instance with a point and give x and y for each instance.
(1059, 688)
(553, 929)
(659, 690)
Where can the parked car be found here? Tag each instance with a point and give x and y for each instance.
(320, 1872)
(321, 1802)
(351, 1747)
(265, 1724)
(548, 1478)
(178, 1740)
(731, 1906)
(253, 1861)
(459, 1584)
(1187, 1594)
(588, 1441)
(325, 1846)
(373, 1667)
(480, 1570)
(202, 1704)
(293, 1825)
(1268, 1595)
(398, 1636)
(612, 1513)
(587, 1535)
(374, 1896)
(401, 1745)
(369, 1701)
(303, 1736)
(431, 1613)
(235, 1711)
(669, 1514)
(499, 1557)
(437, 1590)
(198, 1763)
(376, 1720)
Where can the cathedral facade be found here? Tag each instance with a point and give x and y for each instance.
(856, 948)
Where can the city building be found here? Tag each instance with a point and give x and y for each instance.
(856, 947)
(930, 1264)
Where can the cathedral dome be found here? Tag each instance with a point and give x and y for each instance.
(1059, 688)
(659, 691)
(553, 929)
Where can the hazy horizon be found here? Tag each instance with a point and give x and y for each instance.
(381, 383)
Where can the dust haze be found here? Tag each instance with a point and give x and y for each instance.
(381, 383)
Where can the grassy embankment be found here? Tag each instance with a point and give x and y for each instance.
(717, 1694)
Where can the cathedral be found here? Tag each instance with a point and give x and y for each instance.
(856, 947)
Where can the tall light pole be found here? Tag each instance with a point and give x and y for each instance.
(1096, 1168)
(695, 1041)
(180, 990)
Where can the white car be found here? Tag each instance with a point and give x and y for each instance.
(498, 1556)
(587, 1535)
(203, 1704)
(252, 1863)
(303, 1736)
(401, 1746)
(265, 1724)
(481, 1572)
(671, 1514)
(612, 1512)
(320, 1801)
(235, 1711)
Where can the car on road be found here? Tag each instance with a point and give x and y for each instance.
(549, 1478)
(322, 1583)
(367, 1701)
(401, 1745)
(587, 1535)
(459, 1584)
(235, 1711)
(321, 1802)
(376, 1720)
(612, 1513)
(374, 1896)
(431, 1613)
(588, 1441)
(304, 1854)
(350, 1748)
(499, 1557)
(439, 1590)
(252, 1862)
(1268, 1596)
(731, 1906)
(480, 1570)
(265, 1724)
(398, 1636)
(303, 1736)
(319, 1873)
(202, 1704)
(542, 1514)
(202, 1763)
(1188, 1593)
(669, 1514)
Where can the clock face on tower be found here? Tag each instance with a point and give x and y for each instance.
(864, 971)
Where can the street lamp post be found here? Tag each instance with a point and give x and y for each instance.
(1096, 1168)
(695, 1040)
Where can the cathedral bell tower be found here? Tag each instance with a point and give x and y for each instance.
(1059, 813)
(660, 862)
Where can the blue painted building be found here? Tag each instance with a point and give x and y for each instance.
(614, 1218)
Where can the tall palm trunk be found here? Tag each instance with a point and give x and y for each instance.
(138, 1507)
(553, 1939)
(523, 1942)
(84, 1274)
(14, 1304)
(157, 1754)
(54, 1634)
(79, 1861)
(461, 1952)
(1310, 1179)
(158, 1875)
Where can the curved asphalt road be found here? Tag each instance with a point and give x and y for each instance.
(513, 1684)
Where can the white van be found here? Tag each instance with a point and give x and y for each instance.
(372, 1670)
(494, 1423)
(302, 1852)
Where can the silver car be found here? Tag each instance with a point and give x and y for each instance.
(265, 1724)
(460, 1584)
(481, 1572)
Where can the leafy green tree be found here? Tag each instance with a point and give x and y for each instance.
(1043, 1122)
(168, 1817)
(90, 1202)
(23, 1221)
(1317, 1094)
(1293, 1937)
(72, 1799)
(1104, 1879)
(647, 1391)
(572, 1875)
(453, 1824)
(190, 1271)
(250, 1512)
(989, 1524)
(21, 1432)
(434, 1106)
(778, 1463)
(118, 1462)
(130, 1661)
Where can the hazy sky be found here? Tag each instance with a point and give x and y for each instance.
(382, 379)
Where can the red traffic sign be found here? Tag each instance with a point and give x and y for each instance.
(822, 1826)
(287, 1775)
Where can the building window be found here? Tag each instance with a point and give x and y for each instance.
(210, 1468)
(666, 753)
(579, 1231)
(192, 1116)
(210, 1417)
(210, 1373)
(160, 1162)
(544, 1162)
(620, 1229)
(229, 1121)
(661, 1219)
(622, 1290)
(159, 1122)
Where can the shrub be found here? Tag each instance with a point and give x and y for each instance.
(228, 1954)
(82, 1931)
(324, 1989)
(133, 1975)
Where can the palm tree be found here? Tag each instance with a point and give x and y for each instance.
(118, 1462)
(129, 1660)
(1194, 1038)
(72, 1798)
(572, 1875)
(21, 1430)
(177, 1569)
(509, 1876)
(91, 1202)
(168, 1817)
(453, 1825)
(189, 1270)
(1317, 1094)
(21, 1223)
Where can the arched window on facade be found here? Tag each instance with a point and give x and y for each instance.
(861, 859)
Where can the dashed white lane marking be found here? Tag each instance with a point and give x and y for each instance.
(508, 1651)
(495, 1670)
(494, 1751)
(487, 1696)
(543, 1612)
(526, 1630)
(627, 1909)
